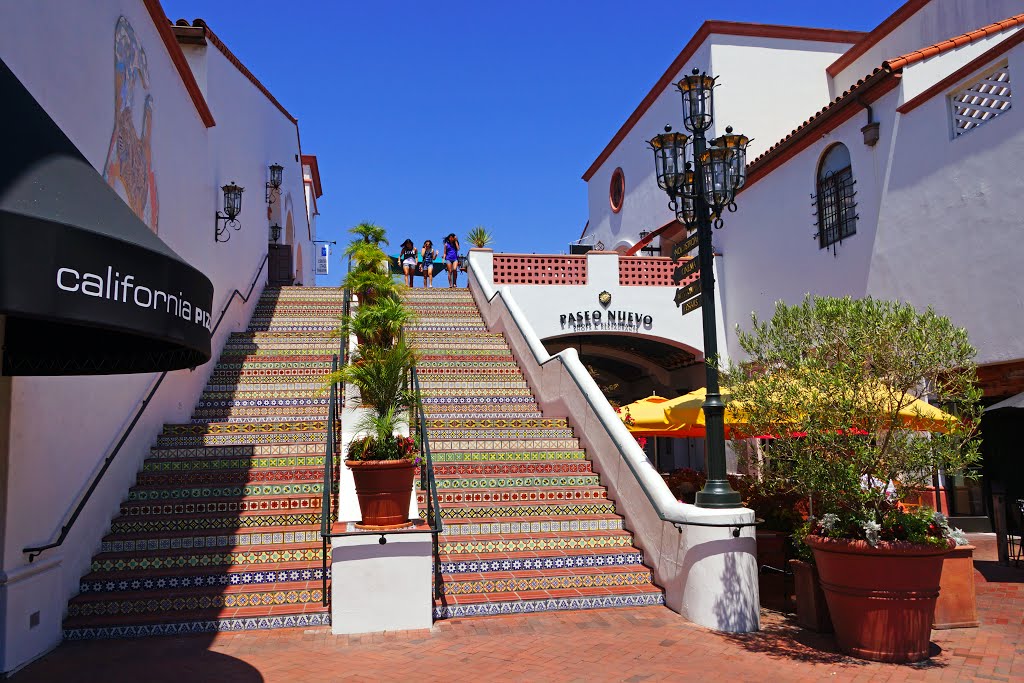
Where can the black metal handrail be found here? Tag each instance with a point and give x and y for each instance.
(34, 551)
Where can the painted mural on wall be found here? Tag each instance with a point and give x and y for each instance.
(129, 165)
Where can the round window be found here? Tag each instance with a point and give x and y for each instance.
(617, 190)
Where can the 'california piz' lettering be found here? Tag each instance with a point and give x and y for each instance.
(123, 289)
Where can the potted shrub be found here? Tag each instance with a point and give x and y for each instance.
(383, 467)
(479, 237)
(835, 383)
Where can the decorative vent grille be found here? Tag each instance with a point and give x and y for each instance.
(513, 269)
(646, 271)
(982, 102)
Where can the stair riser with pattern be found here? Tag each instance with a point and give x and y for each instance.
(221, 530)
(527, 525)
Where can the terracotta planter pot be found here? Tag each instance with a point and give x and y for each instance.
(811, 607)
(384, 488)
(957, 606)
(881, 599)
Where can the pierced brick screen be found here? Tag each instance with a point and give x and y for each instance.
(647, 271)
(513, 269)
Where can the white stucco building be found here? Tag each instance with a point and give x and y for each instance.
(883, 163)
(167, 114)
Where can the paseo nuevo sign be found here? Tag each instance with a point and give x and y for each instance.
(611, 320)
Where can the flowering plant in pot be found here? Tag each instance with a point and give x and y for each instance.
(835, 384)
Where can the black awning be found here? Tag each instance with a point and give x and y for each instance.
(87, 287)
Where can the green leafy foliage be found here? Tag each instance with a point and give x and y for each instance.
(378, 324)
(378, 441)
(381, 375)
(479, 236)
(371, 233)
(828, 379)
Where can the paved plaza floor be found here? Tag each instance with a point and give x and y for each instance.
(637, 644)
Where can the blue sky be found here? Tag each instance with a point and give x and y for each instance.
(430, 118)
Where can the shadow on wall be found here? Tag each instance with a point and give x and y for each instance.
(736, 609)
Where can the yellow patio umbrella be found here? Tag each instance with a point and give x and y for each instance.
(648, 418)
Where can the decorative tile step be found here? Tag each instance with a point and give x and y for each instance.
(457, 422)
(244, 463)
(99, 629)
(470, 394)
(518, 496)
(267, 504)
(241, 438)
(222, 476)
(565, 578)
(141, 561)
(307, 388)
(214, 428)
(179, 579)
(484, 433)
(447, 399)
(196, 599)
(253, 354)
(154, 494)
(238, 450)
(262, 415)
(318, 401)
(470, 412)
(532, 556)
(473, 483)
(460, 445)
(527, 456)
(470, 546)
(223, 524)
(544, 601)
(535, 526)
(430, 367)
(238, 539)
(526, 509)
(242, 393)
(545, 468)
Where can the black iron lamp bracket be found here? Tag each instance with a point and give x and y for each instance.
(221, 232)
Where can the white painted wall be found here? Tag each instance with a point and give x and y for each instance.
(937, 224)
(62, 428)
(937, 21)
(766, 87)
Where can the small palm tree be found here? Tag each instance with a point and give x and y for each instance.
(376, 436)
(371, 286)
(381, 376)
(370, 232)
(479, 236)
(378, 324)
(367, 255)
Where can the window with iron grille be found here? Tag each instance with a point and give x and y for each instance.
(980, 103)
(835, 200)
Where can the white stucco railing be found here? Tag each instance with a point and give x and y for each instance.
(704, 559)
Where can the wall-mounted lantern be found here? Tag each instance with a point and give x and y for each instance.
(232, 207)
(275, 232)
(276, 176)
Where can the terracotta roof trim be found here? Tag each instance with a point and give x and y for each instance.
(953, 43)
(314, 171)
(708, 28)
(866, 90)
(890, 24)
(213, 38)
(963, 72)
(188, 79)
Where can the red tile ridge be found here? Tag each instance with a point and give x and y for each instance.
(708, 28)
(891, 23)
(219, 44)
(953, 43)
(314, 170)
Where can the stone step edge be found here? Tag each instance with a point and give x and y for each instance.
(550, 604)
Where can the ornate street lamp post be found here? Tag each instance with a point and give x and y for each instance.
(701, 182)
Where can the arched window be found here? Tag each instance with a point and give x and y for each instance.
(835, 203)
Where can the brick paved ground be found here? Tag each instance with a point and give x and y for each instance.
(649, 643)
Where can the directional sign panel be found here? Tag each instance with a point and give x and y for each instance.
(691, 305)
(686, 270)
(687, 292)
(684, 247)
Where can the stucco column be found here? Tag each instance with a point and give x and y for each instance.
(602, 270)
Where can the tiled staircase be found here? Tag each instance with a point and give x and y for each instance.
(528, 526)
(222, 529)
